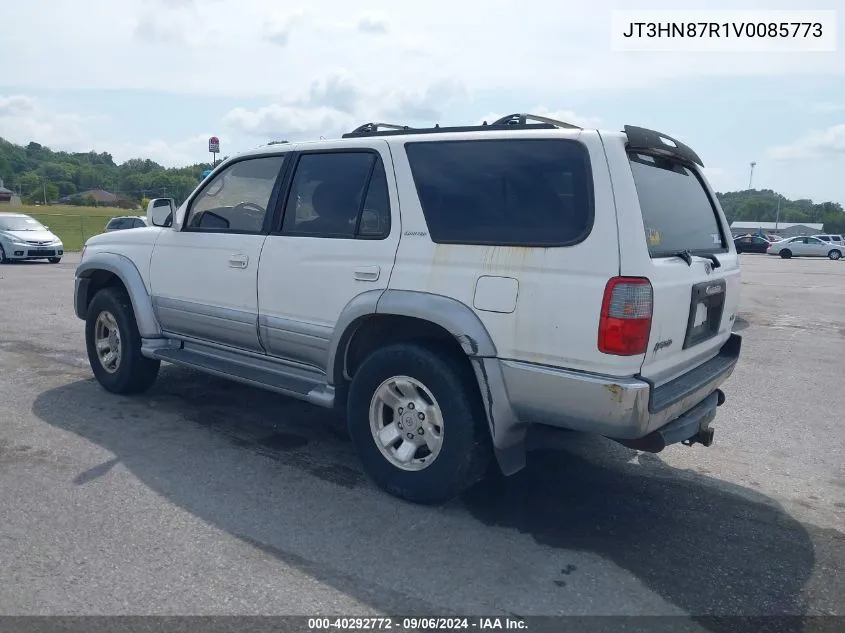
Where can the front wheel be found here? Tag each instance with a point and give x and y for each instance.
(834, 254)
(786, 253)
(114, 344)
(417, 423)
(3, 259)
(54, 260)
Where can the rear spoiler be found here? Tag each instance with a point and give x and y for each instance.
(649, 141)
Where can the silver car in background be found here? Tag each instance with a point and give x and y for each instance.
(806, 246)
(25, 238)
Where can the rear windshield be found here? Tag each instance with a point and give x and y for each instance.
(509, 192)
(677, 212)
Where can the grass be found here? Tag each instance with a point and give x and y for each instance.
(72, 224)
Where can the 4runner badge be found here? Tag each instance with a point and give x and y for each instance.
(662, 345)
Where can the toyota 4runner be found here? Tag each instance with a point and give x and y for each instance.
(452, 289)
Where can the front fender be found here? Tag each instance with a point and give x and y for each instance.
(125, 270)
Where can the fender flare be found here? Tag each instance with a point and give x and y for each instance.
(453, 316)
(125, 270)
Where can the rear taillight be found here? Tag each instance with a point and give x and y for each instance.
(626, 310)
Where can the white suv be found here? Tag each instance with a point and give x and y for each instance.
(452, 289)
(832, 239)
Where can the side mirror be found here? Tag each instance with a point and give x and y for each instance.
(160, 212)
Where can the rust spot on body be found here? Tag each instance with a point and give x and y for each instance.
(615, 392)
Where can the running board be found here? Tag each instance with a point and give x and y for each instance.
(298, 382)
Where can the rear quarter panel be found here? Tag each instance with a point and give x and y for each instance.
(540, 305)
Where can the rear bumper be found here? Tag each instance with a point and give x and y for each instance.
(518, 395)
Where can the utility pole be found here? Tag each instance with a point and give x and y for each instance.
(44, 189)
(751, 175)
(777, 216)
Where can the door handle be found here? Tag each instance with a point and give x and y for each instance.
(238, 261)
(368, 273)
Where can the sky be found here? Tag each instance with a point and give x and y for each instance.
(155, 78)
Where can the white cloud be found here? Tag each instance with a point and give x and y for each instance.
(375, 23)
(289, 122)
(817, 144)
(24, 119)
(279, 26)
(211, 46)
(334, 105)
(188, 151)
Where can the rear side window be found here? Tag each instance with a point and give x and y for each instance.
(508, 192)
(677, 212)
(339, 194)
(117, 223)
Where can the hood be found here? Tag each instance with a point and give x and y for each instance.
(31, 236)
(143, 235)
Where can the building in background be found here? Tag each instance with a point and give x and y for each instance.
(779, 229)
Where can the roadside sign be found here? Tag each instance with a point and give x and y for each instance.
(214, 145)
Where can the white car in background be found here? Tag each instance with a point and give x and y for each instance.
(25, 238)
(806, 246)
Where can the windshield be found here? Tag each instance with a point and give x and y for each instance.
(677, 212)
(20, 223)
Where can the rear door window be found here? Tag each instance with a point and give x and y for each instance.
(677, 211)
(505, 192)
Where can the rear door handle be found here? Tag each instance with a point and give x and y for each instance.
(238, 261)
(368, 273)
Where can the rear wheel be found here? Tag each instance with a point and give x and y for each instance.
(114, 344)
(417, 424)
(834, 254)
(786, 253)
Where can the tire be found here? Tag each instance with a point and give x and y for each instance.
(132, 372)
(834, 254)
(464, 448)
(786, 253)
(54, 260)
(3, 259)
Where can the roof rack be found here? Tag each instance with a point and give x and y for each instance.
(523, 119)
(373, 128)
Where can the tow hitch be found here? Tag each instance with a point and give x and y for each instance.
(705, 433)
(696, 421)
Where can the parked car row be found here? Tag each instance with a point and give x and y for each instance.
(828, 245)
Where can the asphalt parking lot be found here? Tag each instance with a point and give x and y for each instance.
(206, 497)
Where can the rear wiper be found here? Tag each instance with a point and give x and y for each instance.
(712, 258)
(685, 255)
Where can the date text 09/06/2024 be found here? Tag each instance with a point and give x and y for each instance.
(724, 29)
(416, 624)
